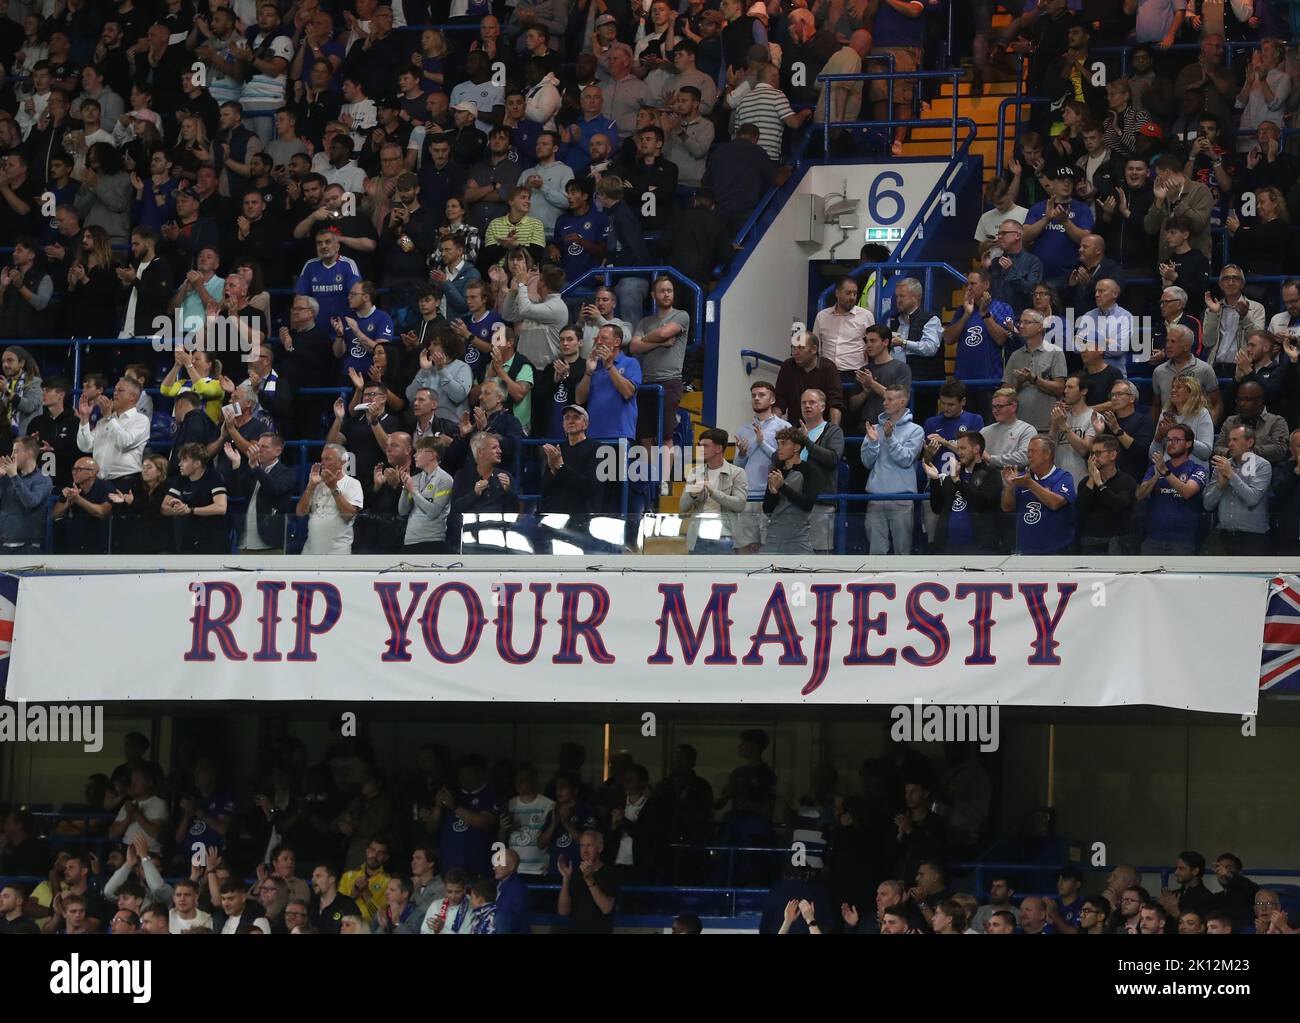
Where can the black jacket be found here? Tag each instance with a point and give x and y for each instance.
(822, 470)
(494, 499)
(154, 290)
(647, 833)
(274, 498)
(574, 490)
(982, 494)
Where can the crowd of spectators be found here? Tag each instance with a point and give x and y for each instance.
(462, 846)
(328, 194)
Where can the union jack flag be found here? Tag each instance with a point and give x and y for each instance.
(8, 600)
(1280, 654)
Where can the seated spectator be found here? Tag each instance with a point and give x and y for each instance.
(1106, 498)
(715, 492)
(1042, 499)
(332, 500)
(24, 499)
(196, 499)
(965, 496)
(481, 487)
(890, 452)
(426, 501)
(1236, 494)
(1187, 404)
(789, 500)
(451, 914)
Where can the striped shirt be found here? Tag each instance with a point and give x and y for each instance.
(766, 108)
(528, 231)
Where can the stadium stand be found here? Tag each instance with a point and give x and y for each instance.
(334, 277)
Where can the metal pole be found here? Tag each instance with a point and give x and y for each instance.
(1051, 765)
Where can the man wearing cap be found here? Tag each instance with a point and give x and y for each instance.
(1055, 227)
(546, 180)
(480, 90)
(570, 485)
(468, 144)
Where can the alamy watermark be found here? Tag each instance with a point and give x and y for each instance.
(55, 722)
(215, 334)
(934, 722)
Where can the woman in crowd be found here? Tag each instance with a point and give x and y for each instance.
(202, 376)
(104, 198)
(1261, 244)
(93, 288)
(1187, 405)
(140, 509)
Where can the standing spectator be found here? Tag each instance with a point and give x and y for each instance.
(1175, 193)
(1072, 430)
(1042, 499)
(1264, 93)
(716, 489)
(537, 309)
(660, 341)
(329, 278)
(979, 329)
(329, 906)
(1133, 429)
(468, 818)
(624, 93)
(766, 108)
(688, 136)
(755, 450)
(142, 813)
(481, 486)
(1259, 363)
(425, 501)
(104, 198)
(197, 492)
(789, 499)
(898, 29)
(1237, 494)
(806, 370)
(1015, 273)
(118, 439)
(26, 290)
(841, 328)
(740, 172)
(546, 179)
(1180, 362)
(965, 497)
(637, 827)
(1187, 404)
(880, 371)
(650, 180)
(1173, 312)
(1229, 321)
(24, 499)
(151, 285)
(1105, 500)
(55, 431)
(571, 483)
(890, 452)
(332, 500)
(1056, 227)
(20, 391)
(823, 449)
(1036, 372)
(589, 889)
(1272, 439)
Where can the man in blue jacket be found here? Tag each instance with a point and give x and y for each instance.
(24, 499)
(512, 896)
(889, 453)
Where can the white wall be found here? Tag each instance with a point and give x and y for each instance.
(771, 290)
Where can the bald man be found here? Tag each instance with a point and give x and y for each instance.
(1093, 265)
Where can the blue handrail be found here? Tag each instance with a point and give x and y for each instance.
(890, 77)
(999, 160)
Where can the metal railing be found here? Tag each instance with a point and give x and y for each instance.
(956, 122)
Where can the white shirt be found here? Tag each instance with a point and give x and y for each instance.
(631, 811)
(117, 443)
(176, 924)
(463, 911)
(350, 176)
(327, 532)
(841, 336)
(232, 925)
(987, 228)
(154, 809)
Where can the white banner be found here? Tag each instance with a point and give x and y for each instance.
(1028, 639)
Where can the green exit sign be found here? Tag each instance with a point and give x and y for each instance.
(884, 234)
